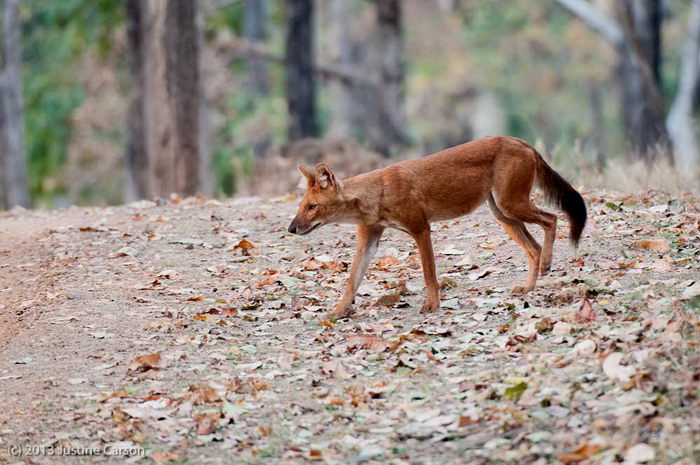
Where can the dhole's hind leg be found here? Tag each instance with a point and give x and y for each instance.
(519, 233)
(528, 213)
(513, 181)
(550, 233)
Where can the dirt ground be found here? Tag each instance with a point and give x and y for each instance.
(194, 332)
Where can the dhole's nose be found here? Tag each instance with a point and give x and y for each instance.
(292, 229)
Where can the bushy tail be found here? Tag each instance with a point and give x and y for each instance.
(558, 191)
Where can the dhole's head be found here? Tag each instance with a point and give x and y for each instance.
(322, 202)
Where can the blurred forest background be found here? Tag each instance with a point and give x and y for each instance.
(107, 101)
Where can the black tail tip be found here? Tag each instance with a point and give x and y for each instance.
(575, 207)
(577, 227)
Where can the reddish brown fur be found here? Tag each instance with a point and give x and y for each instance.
(411, 194)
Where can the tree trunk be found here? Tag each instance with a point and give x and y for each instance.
(643, 123)
(170, 98)
(639, 71)
(136, 156)
(387, 133)
(206, 175)
(680, 117)
(340, 43)
(255, 31)
(301, 82)
(12, 160)
(598, 124)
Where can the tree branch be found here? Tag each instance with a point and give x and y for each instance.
(596, 20)
(245, 48)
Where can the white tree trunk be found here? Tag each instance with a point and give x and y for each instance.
(13, 174)
(596, 20)
(680, 117)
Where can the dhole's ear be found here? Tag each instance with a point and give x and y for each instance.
(325, 176)
(310, 177)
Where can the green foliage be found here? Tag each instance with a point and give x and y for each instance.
(55, 35)
(228, 18)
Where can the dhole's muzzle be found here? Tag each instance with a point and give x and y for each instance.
(296, 228)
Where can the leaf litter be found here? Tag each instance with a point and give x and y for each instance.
(217, 345)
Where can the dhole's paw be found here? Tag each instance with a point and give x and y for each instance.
(545, 266)
(339, 313)
(429, 307)
(521, 290)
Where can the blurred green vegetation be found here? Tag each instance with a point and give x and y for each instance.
(55, 35)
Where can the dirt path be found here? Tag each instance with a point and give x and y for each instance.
(248, 371)
(27, 270)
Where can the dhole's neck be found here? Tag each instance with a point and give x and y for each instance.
(362, 197)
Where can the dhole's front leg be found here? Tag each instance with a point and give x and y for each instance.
(367, 241)
(427, 259)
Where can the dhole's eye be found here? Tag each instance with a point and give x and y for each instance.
(311, 206)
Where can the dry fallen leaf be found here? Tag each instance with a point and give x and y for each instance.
(233, 385)
(285, 359)
(146, 362)
(614, 370)
(692, 291)
(561, 328)
(388, 260)
(544, 325)
(200, 395)
(315, 454)
(228, 311)
(368, 342)
(337, 368)
(207, 423)
(334, 400)
(258, 384)
(268, 281)
(161, 457)
(244, 244)
(579, 455)
(335, 267)
(311, 265)
(465, 421)
(388, 300)
(265, 430)
(640, 453)
(658, 245)
(585, 313)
